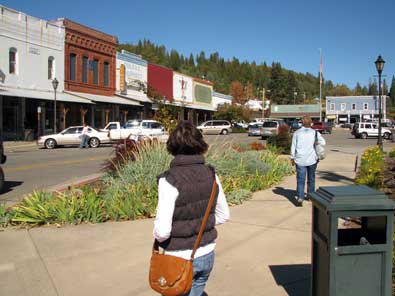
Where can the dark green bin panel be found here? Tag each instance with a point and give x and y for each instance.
(356, 260)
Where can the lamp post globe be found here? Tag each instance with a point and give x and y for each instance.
(379, 67)
(55, 84)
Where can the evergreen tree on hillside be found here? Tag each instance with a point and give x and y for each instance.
(357, 90)
(221, 72)
(372, 88)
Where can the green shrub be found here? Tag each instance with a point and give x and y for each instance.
(5, 215)
(282, 141)
(371, 168)
(132, 191)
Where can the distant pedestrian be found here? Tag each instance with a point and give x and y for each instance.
(184, 191)
(84, 137)
(304, 157)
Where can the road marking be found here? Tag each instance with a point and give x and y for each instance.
(54, 163)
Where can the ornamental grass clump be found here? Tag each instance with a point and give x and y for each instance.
(131, 190)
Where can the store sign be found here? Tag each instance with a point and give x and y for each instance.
(122, 87)
(182, 88)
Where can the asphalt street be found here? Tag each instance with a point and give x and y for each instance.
(30, 168)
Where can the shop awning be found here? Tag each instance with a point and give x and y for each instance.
(105, 99)
(43, 95)
(192, 106)
(135, 95)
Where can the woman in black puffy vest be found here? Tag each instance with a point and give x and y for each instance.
(184, 191)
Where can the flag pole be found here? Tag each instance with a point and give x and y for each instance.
(321, 84)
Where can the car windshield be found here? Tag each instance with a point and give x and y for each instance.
(269, 124)
(256, 125)
(134, 123)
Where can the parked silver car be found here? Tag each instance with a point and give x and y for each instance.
(215, 127)
(72, 136)
(270, 128)
(255, 129)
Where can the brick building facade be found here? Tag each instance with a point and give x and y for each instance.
(90, 60)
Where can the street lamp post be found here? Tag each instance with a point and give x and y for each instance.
(380, 66)
(55, 84)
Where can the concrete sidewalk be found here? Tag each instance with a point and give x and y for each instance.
(263, 250)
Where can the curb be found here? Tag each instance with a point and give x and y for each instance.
(75, 183)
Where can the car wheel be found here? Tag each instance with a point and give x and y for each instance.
(364, 135)
(224, 132)
(1, 180)
(50, 144)
(387, 136)
(94, 142)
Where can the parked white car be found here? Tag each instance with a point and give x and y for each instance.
(72, 136)
(215, 127)
(137, 129)
(369, 129)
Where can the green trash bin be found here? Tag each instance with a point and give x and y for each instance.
(352, 234)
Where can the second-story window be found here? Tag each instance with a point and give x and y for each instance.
(85, 69)
(354, 107)
(51, 68)
(13, 61)
(95, 68)
(332, 107)
(365, 106)
(73, 60)
(106, 73)
(343, 107)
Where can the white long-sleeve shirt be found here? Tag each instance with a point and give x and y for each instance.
(302, 149)
(167, 196)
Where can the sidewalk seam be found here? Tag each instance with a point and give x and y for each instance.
(43, 262)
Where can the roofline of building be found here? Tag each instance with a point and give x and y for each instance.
(88, 30)
(353, 97)
(30, 16)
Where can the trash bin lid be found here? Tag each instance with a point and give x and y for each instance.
(352, 198)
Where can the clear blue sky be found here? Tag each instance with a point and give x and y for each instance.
(351, 33)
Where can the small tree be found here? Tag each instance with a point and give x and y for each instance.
(282, 141)
(237, 92)
(232, 113)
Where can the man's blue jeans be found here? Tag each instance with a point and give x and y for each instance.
(202, 267)
(301, 172)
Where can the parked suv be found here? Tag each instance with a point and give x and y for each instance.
(3, 159)
(215, 127)
(369, 129)
(270, 128)
(322, 127)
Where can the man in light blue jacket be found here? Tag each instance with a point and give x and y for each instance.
(304, 156)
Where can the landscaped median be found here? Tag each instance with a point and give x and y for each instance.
(129, 189)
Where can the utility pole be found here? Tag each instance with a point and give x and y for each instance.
(321, 84)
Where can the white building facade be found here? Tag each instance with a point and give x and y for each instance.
(351, 109)
(131, 83)
(31, 56)
(221, 99)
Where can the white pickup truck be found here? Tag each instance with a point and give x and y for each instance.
(136, 129)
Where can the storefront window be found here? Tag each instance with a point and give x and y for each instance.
(95, 67)
(12, 60)
(51, 68)
(72, 66)
(85, 69)
(106, 73)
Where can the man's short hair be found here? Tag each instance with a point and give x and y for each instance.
(306, 121)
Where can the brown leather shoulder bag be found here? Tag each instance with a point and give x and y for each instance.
(171, 275)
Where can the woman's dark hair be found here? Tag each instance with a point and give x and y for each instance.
(186, 139)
